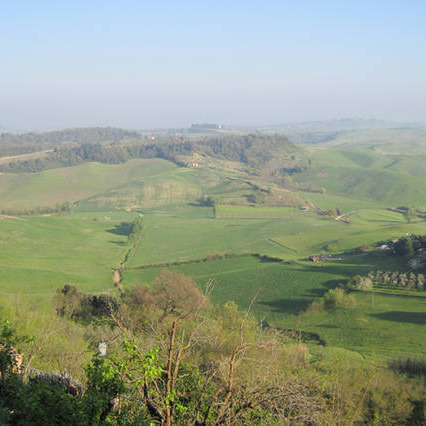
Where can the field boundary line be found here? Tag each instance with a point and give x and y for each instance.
(206, 259)
(282, 245)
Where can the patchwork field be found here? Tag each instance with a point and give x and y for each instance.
(188, 233)
(380, 325)
(39, 254)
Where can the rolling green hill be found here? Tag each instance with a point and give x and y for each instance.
(42, 253)
(400, 141)
(382, 186)
(26, 190)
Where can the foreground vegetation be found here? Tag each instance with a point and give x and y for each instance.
(173, 358)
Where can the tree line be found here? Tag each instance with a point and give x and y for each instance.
(59, 208)
(403, 280)
(253, 150)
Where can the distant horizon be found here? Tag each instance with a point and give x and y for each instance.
(290, 124)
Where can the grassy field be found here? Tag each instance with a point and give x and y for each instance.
(192, 232)
(26, 190)
(257, 212)
(383, 187)
(365, 228)
(40, 254)
(396, 141)
(380, 325)
(188, 233)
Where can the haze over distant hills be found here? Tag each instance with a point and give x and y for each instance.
(346, 124)
(331, 124)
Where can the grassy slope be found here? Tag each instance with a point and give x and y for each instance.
(366, 177)
(192, 233)
(189, 233)
(174, 186)
(398, 141)
(382, 186)
(40, 254)
(47, 188)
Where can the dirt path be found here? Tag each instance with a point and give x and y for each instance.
(343, 218)
(29, 156)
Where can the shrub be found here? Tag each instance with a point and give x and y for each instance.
(333, 299)
(72, 303)
(360, 283)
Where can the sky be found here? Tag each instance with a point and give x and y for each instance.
(149, 64)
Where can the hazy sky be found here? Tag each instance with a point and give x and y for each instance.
(161, 63)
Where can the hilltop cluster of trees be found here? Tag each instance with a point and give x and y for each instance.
(253, 150)
(17, 144)
(9, 149)
(314, 137)
(77, 135)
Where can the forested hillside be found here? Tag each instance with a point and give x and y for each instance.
(254, 150)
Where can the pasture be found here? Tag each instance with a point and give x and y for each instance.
(27, 190)
(39, 254)
(379, 326)
(385, 188)
(188, 233)
(42, 253)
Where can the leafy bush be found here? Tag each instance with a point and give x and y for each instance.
(333, 299)
(72, 303)
(360, 283)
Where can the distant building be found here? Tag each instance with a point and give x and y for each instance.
(206, 126)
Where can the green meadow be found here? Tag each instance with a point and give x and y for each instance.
(380, 325)
(397, 141)
(27, 190)
(365, 176)
(42, 253)
(39, 254)
(189, 233)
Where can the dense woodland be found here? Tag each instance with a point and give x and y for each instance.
(75, 135)
(253, 150)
